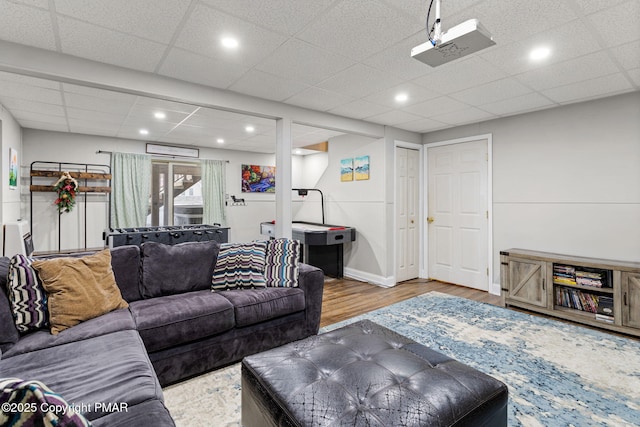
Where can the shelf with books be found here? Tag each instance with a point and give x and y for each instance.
(598, 292)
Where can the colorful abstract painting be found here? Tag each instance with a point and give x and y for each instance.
(258, 179)
(346, 170)
(361, 168)
(13, 169)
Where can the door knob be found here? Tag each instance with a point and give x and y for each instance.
(430, 219)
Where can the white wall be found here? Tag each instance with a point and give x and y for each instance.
(11, 137)
(566, 180)
(76, 148)
(359, 204)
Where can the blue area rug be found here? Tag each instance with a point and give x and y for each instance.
(558, 374)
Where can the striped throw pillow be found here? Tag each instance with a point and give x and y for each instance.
(239, 266)
(39, 406)
(27, 295)
(281, 263)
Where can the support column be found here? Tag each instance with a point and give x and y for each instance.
(283, 177)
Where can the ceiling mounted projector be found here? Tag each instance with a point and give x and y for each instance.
(461, 40)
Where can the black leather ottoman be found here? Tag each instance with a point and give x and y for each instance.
(366, 375)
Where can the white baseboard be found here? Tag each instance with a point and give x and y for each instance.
(494, 288)
(363, 276)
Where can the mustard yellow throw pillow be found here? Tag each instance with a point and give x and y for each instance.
(79, 289)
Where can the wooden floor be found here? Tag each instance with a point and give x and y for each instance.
(346, 298)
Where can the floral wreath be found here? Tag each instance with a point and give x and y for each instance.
(66, 188)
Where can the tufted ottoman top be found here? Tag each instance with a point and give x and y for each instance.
(365, 374)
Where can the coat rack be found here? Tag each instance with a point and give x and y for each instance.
(83, 172)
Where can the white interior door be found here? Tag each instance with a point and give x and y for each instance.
(457, 213)
(407, 211)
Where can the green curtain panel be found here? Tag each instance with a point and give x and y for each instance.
(131, 188)
(214, 184)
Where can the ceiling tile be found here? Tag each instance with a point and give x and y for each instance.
(284, 16)
(618, 24)
(318, 99)
(572, 71)
(115, 119)
(29, 93)
(594, 88)
(628, 55)
(393, 117)
(468, 115)
(519, 104)
(590, 6)
(397, 59)
(436, 106)
(378, 27)
(460, 75)
(205, 27)
(635, 76)
(166, 105)
(145, 113)
(90, 129)
(29, 124)
(184, 65)
(39, 117)
(569, 41)
(93, 42)
(514, 20)
(359, 109)
(491, 92)
(301, 61)
(359, 81)
(268, 86)
(415, 93)
(14, 104)
(26, 25)
(151, 19)
(419, 8)
(43, 4)
(84, 102)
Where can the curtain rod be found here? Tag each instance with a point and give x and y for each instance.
(173, 157)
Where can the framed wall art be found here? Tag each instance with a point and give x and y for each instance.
(258, 179)
(361, 168)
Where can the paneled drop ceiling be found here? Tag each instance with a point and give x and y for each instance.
(346, 57)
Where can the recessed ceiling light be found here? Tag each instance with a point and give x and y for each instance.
(159, 115)
(402, 97)
(230, 42)
(298, 152)
(539, 53)
(220, 141)
(249, 129)
(143, 132)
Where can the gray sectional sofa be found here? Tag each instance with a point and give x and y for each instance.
(173, 329)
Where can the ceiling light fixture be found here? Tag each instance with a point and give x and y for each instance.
(402, 97)
(160, 115)
(298, 152)
(143, 132)
(539, 53)
(230, 42)
(249, 128)
(220, 141)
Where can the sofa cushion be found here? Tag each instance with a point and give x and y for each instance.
(282, 263)
(8, 333)
(125, 261)
(257, 305)
(172, 320)
(109, 368)
(79, 289)
(27, 295)
(239, 266)
(175, 269)
(41, 406)
(118, 320)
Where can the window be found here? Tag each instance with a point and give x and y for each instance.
(176, 194)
